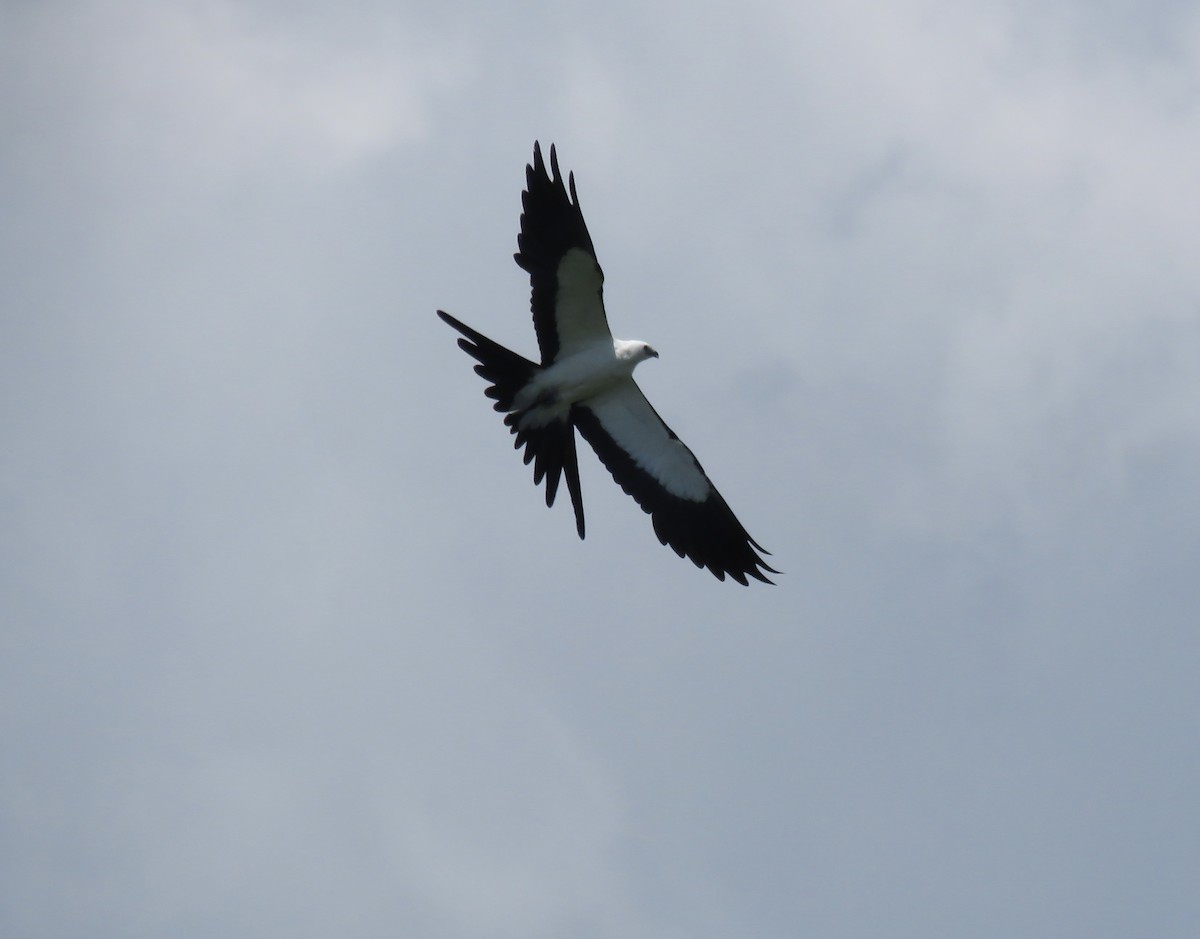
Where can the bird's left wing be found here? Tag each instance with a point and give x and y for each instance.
(655, 467)
(567, 285)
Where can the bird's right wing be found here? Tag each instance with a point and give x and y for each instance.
(657, 469)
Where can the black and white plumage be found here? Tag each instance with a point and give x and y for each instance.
(585, 382)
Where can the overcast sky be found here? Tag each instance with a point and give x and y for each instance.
(290, 645)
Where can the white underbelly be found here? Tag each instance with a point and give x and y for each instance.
(569, 381)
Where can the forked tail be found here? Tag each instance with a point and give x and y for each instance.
(550, 447)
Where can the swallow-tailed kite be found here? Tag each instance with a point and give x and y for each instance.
(585, 381)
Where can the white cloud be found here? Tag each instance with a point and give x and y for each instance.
(225, 87)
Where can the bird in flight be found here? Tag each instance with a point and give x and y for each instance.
(585, 382)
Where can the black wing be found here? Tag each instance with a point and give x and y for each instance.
(555, 248)
(655, 467)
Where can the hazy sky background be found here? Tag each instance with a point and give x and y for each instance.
(290, 644)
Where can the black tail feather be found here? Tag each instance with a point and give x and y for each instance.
(550, 447)
(506, 371)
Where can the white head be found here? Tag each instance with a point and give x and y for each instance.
(633, 350)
